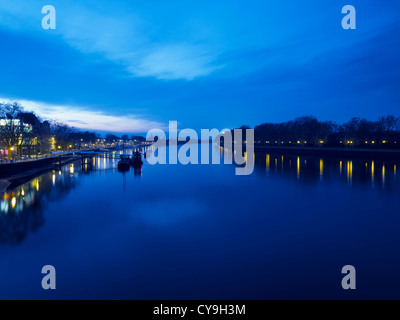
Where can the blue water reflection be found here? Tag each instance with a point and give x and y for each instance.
(199, 231)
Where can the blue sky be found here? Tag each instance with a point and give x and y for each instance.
(130, 66)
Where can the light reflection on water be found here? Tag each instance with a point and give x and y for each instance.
(165, 223)
(29, 199)
(306, 168)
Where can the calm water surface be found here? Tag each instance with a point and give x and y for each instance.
(200, 231)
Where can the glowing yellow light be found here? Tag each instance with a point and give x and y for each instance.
(384, 141)
(23, 192)
(37, 185)
(54, 179)
(71, 168)
(373, 142)
(341, 167)
(298, 167)
(267, 160)
(350, 172)
(13, 202)
(298, 142)
(321, 141)
(351, 169)
(321, 167)
(373, 171)
(383, 174)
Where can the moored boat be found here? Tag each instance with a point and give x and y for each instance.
(136, 159)
(124, 164)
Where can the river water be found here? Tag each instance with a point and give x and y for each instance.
(201, 232)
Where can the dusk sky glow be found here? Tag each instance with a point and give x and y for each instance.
(130, 66)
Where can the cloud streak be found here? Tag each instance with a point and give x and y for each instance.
(119, 38)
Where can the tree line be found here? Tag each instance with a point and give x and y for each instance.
(25, 131)
(308, 130)
(26, 134)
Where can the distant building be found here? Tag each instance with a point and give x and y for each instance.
(13, 135)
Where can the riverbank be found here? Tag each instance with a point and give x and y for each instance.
(17, 173)
(377, 154)
(20, 173)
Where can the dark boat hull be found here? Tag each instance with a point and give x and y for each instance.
(123, 166)
(136, 162)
